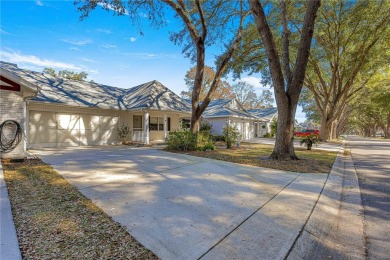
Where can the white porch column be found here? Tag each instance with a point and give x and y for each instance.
(25, 125)
(165, 126)
(146, 127)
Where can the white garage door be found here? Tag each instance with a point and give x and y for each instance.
(51, 129)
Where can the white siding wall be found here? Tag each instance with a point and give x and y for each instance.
(12, 108)
(246, 128)
(57, 126)
(217, 125)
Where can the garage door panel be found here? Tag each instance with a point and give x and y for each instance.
(108, 122)
(68, 137)
(68, 122)
(85, 122)
(89, 137)
(108, 136)
(46, 136)
(42, 120)
(89, 122)
(51, 129)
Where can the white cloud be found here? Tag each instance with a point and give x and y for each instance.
(87, 60)
(39, 2)
(4, 32)
(105, 31)
(110, 7)
(133, 39)
(149, 55)
(18, 58)
(77, 42)
(109, 46)
(74, 49)
(253, 81)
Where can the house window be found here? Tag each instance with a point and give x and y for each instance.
(157, 124)
(185, 123)
(137, 123)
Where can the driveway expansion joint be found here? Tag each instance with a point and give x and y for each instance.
(234, 229)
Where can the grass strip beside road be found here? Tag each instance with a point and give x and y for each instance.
(55, 221)
(311, 161)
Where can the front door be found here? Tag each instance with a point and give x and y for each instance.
(137, 128)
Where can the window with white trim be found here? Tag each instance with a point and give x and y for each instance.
(157, 124)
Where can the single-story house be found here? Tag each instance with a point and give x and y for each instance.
(58, 112)
(265, 117)
(221, 112)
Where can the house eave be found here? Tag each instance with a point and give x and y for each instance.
(27, 86)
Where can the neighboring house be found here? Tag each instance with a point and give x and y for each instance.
(221, 112)
(265, 117)
(77, 113)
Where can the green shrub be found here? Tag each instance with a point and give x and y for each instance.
(182, 140)
(205, 126)
(309, 141)
(231, 134)
(209, 146)
(204, 141)
(267, 135)
(124, 131)
(206, 147)
(218, 138)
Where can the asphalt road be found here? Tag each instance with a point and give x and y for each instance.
(372, 163)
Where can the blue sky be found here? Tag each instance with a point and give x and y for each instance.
(38, 34)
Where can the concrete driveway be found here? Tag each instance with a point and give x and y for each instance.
(185, 207)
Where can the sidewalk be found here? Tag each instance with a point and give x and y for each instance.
(335, 229)
(9, 247)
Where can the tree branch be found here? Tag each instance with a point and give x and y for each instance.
(286, 44)
(304, 49)
(272, 53)
(202, 19)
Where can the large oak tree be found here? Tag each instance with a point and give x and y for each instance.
(350, 45)
(204, 23)
(287, 76)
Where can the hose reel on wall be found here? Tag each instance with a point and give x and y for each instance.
(11, 134)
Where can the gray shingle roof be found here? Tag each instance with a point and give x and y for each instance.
(264, 114)
(225, 108)
(151, 95)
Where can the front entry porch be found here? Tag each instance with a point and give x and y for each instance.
(154, 126)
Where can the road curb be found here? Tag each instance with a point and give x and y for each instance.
(9, 246)
(335, 228)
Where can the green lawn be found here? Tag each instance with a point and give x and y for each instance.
(313, 161)
(55, 221)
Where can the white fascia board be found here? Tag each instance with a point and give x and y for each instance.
(24, 83)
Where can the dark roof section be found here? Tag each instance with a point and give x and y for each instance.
(264, 114)
(57, 90)
(225, 108)
(154, 95)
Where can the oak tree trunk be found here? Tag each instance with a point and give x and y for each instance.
(287, 81)
(325, 128)
(284, 145)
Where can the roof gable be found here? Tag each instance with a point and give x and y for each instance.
(225, 108)
(154, 95)
(265, 114)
